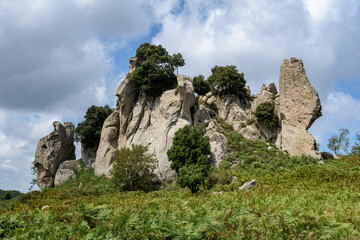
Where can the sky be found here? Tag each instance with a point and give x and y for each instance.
(57, 58)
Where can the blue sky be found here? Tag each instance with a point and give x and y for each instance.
(60, 57)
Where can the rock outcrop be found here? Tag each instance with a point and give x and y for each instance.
(65, 171)
(51, 151)
(88, 155)
(149, 121)
(299, 107)
(152, 122)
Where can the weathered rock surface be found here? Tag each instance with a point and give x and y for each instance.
(153, 121)
(65, 171)
(88, 155)
(299, 102)
(299, 107)
(149, 121)
(248, 185)
(51, 151)
(327, 155)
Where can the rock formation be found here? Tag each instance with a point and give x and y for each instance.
(65, 171)
(88, 155)
(148, 121)
(51, 151)
(299, 107)
(153, 121)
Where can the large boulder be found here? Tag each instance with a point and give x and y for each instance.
(299, 106)
(51, 151)
(66, 171)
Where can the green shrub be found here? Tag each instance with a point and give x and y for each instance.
(227, 80)
(201, 86)
(192, 176)
(265, 114)
(154, 72)
(189, 156)
(133, 168)
(89, 130)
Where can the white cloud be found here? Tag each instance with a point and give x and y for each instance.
(340, 110)
(7, 166)
(257, 35)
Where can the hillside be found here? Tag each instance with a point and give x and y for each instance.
(296, 198)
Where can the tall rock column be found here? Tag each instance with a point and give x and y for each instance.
(299, 107)
(52, 150)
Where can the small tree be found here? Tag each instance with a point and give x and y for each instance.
(339, 142)
(201, 86)
(89, 130)
(178, 61)
(227, 80)
(189, 157)
(355, 149)
(133, 169)
(265, 114)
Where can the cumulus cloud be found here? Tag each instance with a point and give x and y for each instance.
(340, 110)
(57, 59)
(7, 166)
(54, 51)
(257, 35)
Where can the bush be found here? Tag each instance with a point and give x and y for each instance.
(133, 168)
(154, 72)
(192, 176)
(201, 86)
(189, 156)
(227, 80)
(89, 130)
(265, 114)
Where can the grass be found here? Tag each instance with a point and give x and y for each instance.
(296, 198)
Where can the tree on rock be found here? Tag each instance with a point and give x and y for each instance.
(178, 61)
(265, 114)
(89, 130)
(227, 80)
(154, 72)
(189, 157)
(201, 86)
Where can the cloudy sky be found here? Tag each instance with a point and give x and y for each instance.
(59, 57)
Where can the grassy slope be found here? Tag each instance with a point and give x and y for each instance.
(296, 198)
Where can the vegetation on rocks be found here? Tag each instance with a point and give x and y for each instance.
(201, 86)
(154, 72)
(227, 80)
(89, 130)
(265, 114)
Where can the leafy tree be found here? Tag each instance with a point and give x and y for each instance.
(265, 114)
(154, 72)
(201, 86)
(339, 142)
(189, 156)
(89, 130)
(227, 80)
(133, 168)
(355, 149)
(178, 61)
